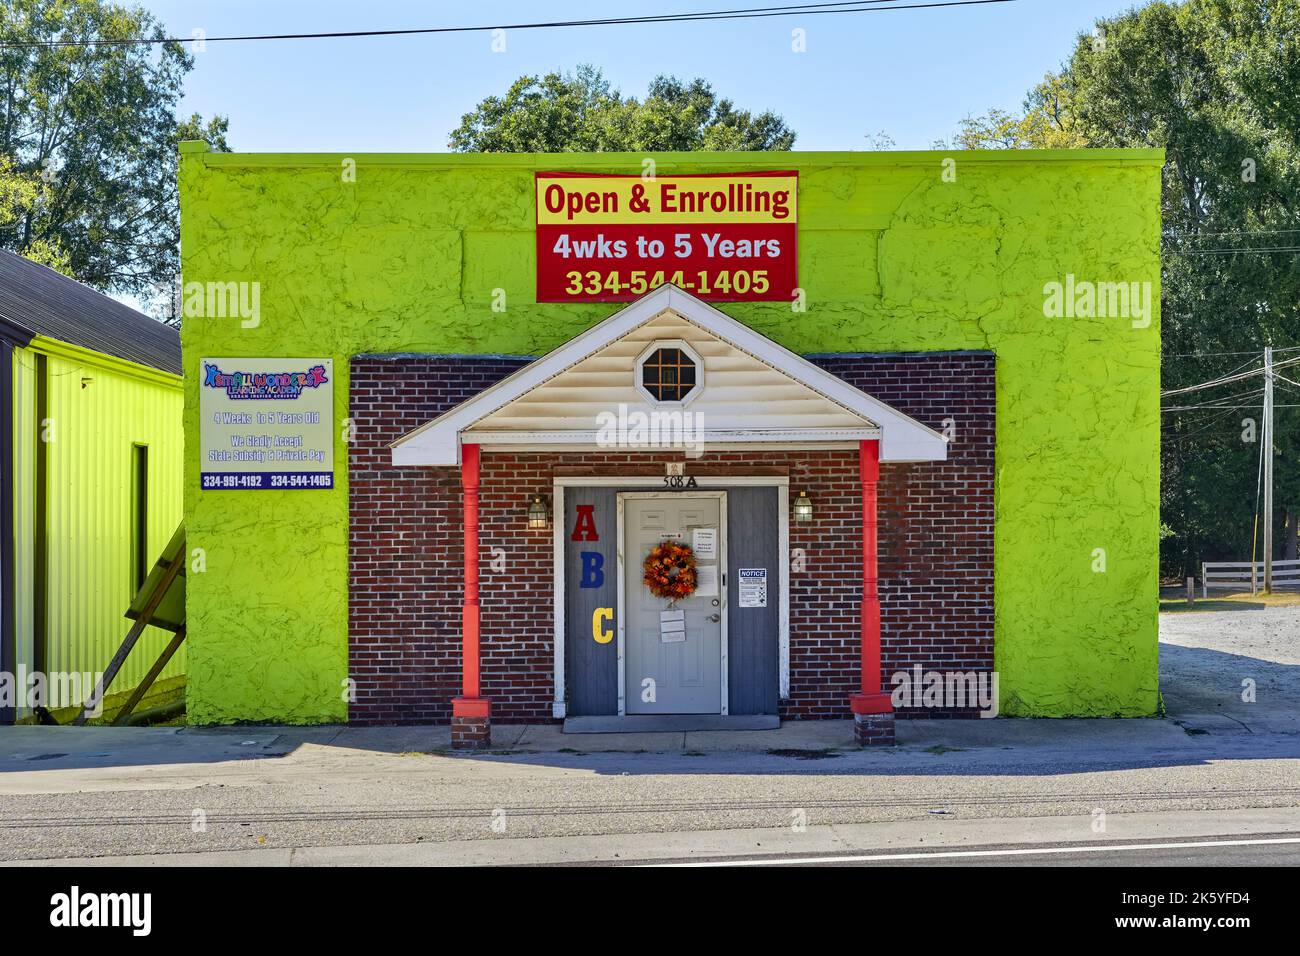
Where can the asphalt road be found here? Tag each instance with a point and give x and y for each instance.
(1264, 849)
(380, 795)
(285, 798)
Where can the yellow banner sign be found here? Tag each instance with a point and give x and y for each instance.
(601, 200)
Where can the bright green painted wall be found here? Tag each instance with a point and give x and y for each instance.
(892, 258)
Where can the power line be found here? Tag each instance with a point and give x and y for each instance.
(1234, 406)
(744, 13)
(1189, 234)
(1215, 404)
(1231, 398)
(1290, 348)
(1224, 380)
(1229, 252)
(1213, 421)
(1238, 407)
(1242, 365)
(1288, 385)
(1233, 371)
(1205, 354)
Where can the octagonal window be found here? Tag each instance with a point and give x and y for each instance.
(669, 374)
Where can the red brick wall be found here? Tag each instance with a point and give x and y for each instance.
(935, 519)
(936, 544)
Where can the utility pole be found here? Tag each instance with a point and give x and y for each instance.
(1268, 469)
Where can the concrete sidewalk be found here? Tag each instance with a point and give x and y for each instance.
(800, 735)
(1204, 659)
(33, 748)
(812, 735)
(116, 792)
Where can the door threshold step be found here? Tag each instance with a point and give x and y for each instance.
(669, 723)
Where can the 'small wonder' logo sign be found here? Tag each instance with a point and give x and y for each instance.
(726, 237)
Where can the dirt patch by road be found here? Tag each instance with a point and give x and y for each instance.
(1210, 660)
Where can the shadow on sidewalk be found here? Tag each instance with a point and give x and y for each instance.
(1208, 721)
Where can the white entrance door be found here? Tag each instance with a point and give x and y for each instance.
(666, 670)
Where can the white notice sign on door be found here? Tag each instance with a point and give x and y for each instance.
(704, 542)
(672, 626)
(706, 580)
(753, 587)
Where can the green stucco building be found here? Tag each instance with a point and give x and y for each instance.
(959, 347)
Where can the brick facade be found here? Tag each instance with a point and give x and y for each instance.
(936, 543)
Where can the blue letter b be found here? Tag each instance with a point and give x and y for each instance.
(592, 574)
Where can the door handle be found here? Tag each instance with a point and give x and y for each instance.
(715, 618)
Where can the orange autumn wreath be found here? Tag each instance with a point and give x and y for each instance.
(670, 570)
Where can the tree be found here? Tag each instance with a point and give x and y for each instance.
(213, 132)
(1046, 122)
(1216, 84)
(1213, 82)
(95, 127)
(579, 112)
(20, 193)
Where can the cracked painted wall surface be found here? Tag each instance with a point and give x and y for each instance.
(892, 258)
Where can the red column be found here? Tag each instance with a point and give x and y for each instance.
(470, 704)
(871, 700)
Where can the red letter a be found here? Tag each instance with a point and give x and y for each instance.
(585, 529)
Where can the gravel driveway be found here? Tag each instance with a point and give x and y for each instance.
(1206, 656)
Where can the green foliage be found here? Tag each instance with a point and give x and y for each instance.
(18, 192)
(213, 132)
(579, 112)
(95, 127)
(1046, 122)
(21, 193)
(48, 252)
(1213, 82)
(1216, 84)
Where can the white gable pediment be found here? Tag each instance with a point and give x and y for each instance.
(751, 391)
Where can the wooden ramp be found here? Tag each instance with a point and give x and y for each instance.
(160, 602)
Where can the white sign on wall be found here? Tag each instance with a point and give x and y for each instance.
(266, 423)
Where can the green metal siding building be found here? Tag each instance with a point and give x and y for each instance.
(90, 475)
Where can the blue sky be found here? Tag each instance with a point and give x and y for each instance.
(912, 73)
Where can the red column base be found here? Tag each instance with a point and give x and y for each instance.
(873, 719)
(471, 723)
(873, 730)
(871, 703)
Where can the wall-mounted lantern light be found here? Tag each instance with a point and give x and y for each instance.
(538, 515)
(803, 507)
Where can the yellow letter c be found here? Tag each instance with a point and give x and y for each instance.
(598, 630)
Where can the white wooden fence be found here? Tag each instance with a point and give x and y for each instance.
(1240, 575)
